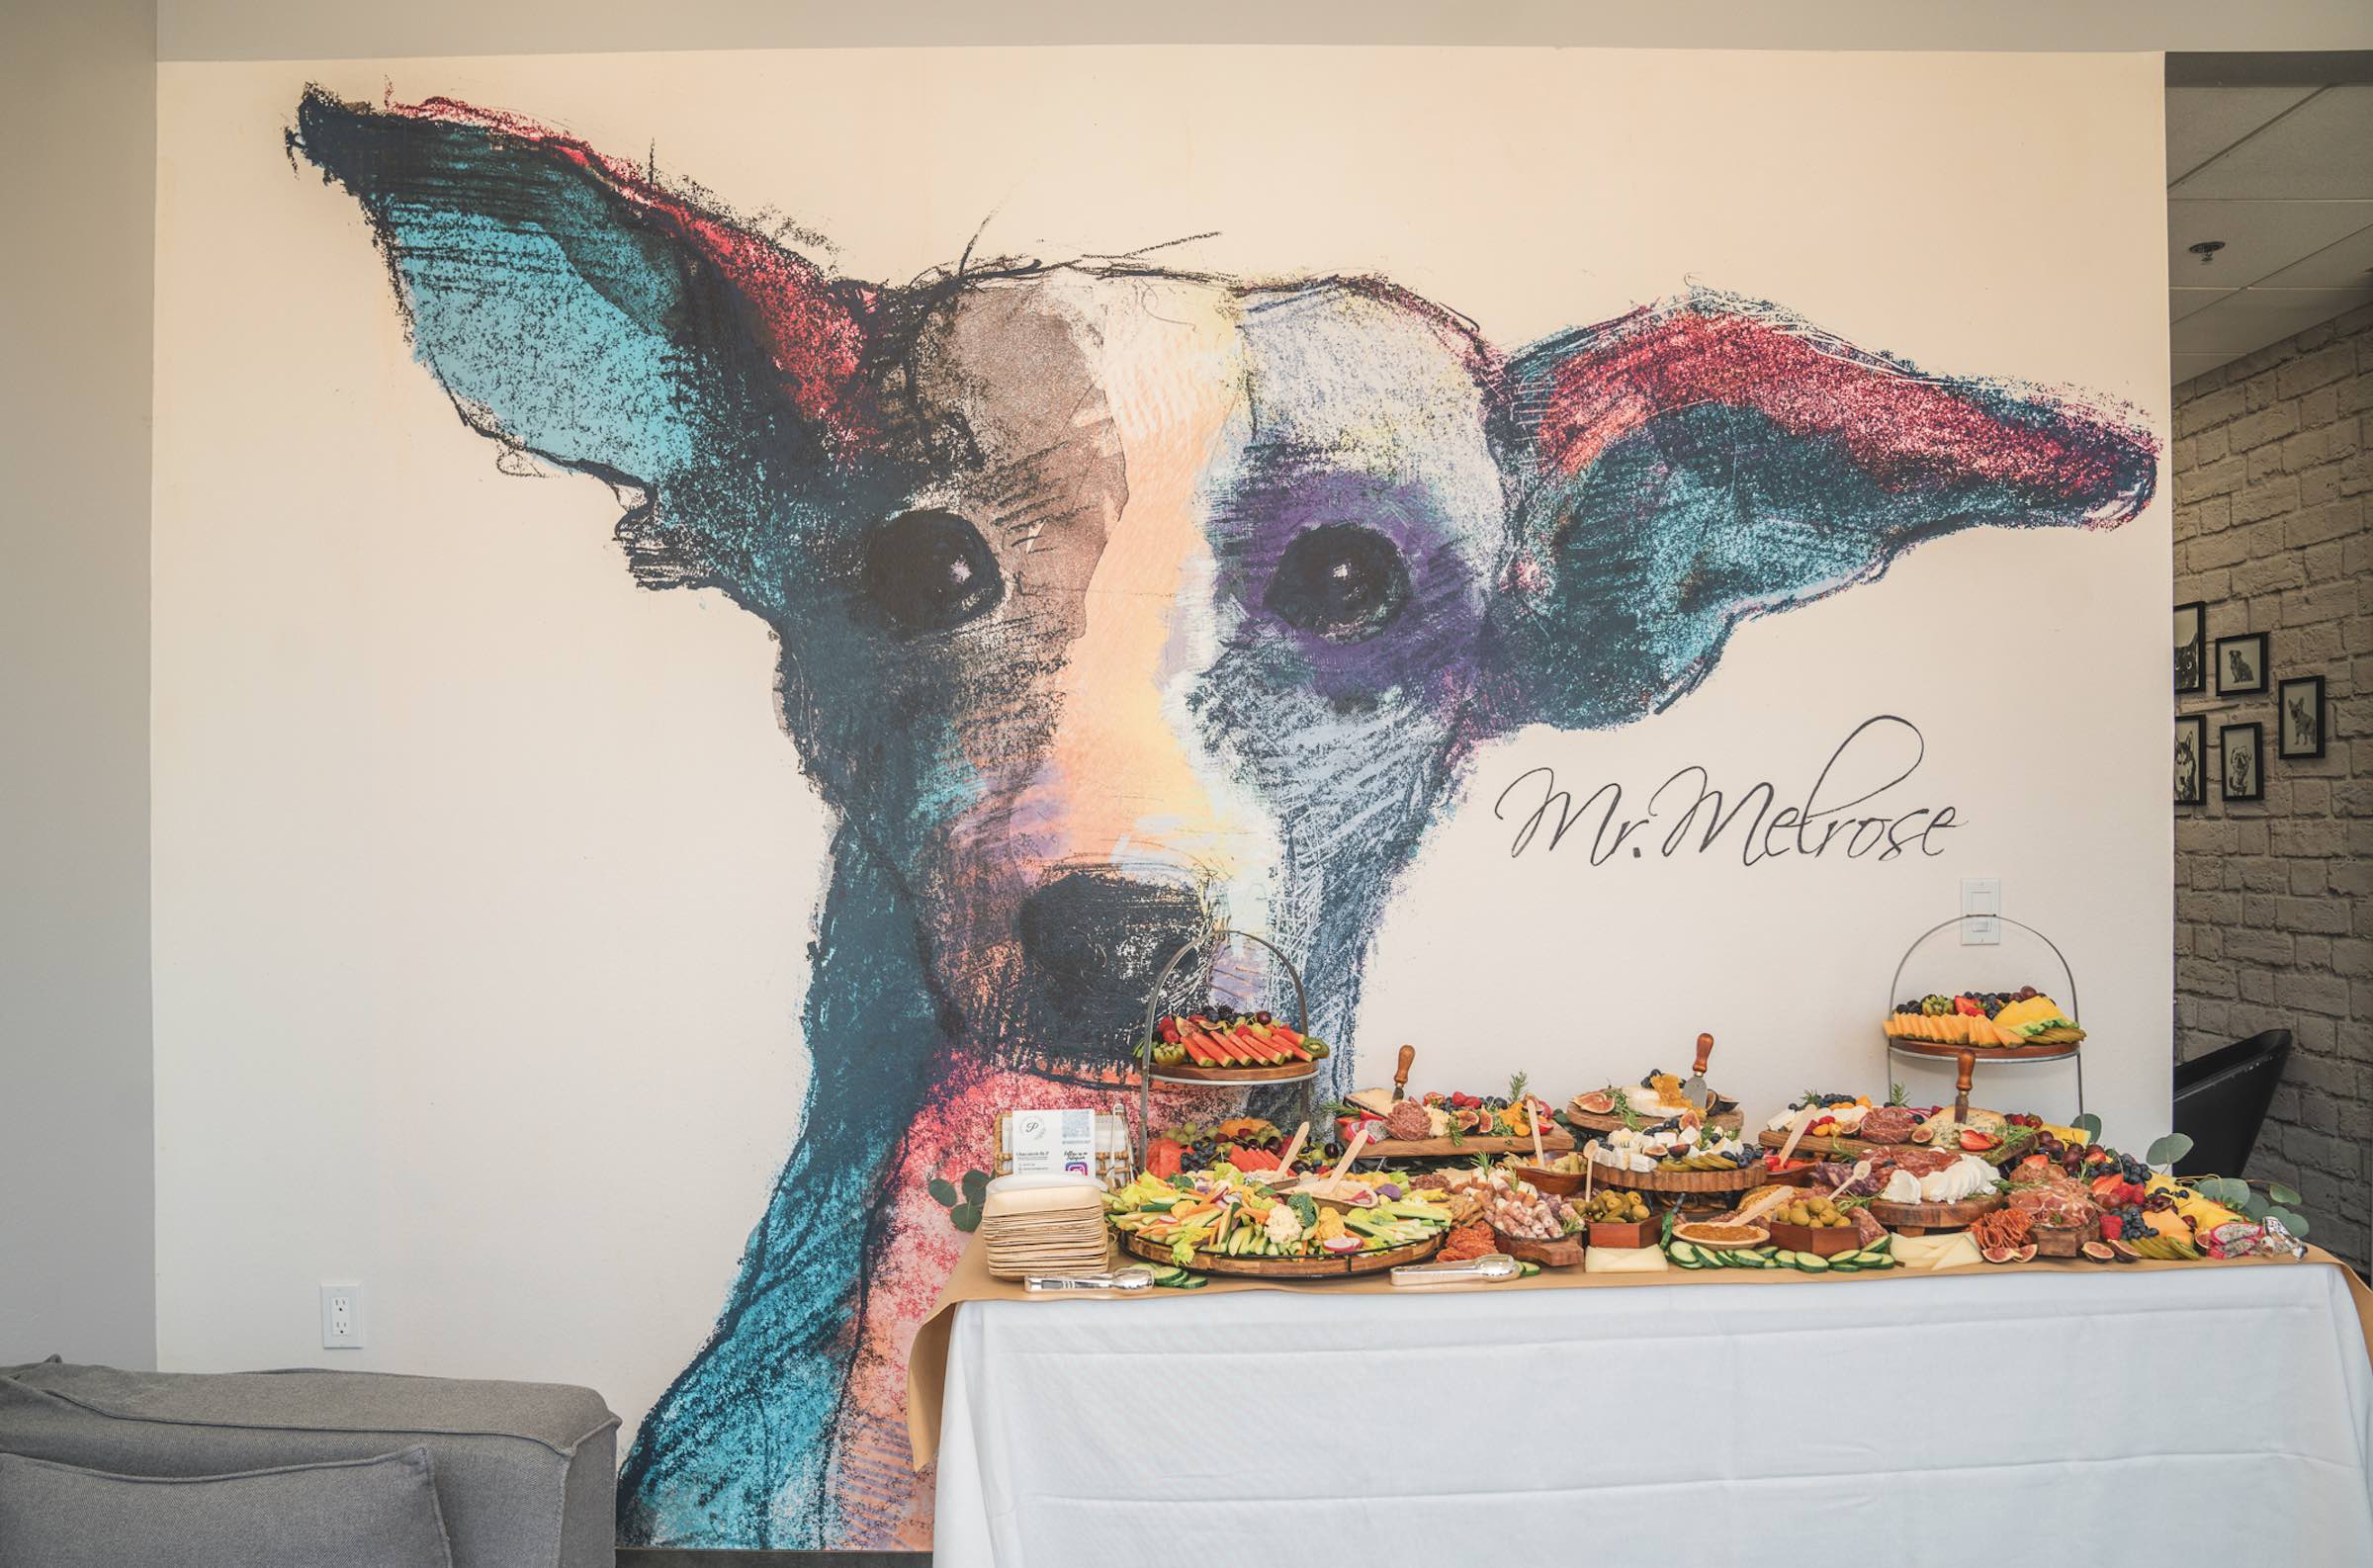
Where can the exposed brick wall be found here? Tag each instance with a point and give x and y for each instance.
(2273, 923)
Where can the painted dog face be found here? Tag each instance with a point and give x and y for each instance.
(1174, 594)
(1112, 601)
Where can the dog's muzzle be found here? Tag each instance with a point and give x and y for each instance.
(1095, 939)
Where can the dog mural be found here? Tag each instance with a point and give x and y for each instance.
(1114, 601)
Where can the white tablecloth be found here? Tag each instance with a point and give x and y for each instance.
(2212, 1417)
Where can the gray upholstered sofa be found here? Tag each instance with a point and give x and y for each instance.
(308, 1466)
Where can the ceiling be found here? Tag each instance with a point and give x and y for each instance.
(2283, 175)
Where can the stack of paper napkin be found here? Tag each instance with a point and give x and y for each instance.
(1044, 1225)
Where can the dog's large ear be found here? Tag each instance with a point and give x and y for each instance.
(1679, 470)
(575, 308)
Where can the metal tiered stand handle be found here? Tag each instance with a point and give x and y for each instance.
(1970, 1055)
(1217, 935)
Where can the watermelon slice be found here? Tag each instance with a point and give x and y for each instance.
(1197, 1049)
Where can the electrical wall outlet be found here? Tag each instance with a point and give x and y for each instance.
(342, 1317)
(1981, 912)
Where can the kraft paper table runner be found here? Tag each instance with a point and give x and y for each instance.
(927, 1361)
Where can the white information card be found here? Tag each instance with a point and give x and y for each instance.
(1049, 1141)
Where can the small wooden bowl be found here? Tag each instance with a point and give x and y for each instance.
(1563, 1252)
(2062, 1240)
(1560, 1183)
(1820, 1241)
(1624, 1233)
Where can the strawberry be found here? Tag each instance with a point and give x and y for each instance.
(2112, 1227)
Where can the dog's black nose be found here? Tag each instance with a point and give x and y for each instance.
(1097, 939)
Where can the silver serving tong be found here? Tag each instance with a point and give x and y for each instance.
(1466, 1272)
(1134, 1277)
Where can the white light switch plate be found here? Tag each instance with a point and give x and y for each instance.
(1982, 912)
(342, 1317)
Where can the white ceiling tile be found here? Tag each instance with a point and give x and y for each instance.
(2187, 366)
(2343, 264)
(2203, 121)
(2254, 318)
(2183, 302)
(2260, 238)
(2321, 151)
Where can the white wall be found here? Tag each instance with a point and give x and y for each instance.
(78, 117)
(236, 29)
(484, 876)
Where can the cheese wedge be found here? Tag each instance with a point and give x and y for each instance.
(1936, 1252)
(1624, 1260)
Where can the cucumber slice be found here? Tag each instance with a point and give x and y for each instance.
(1813, 1262)
(1685, 1254)
(1526, 1268)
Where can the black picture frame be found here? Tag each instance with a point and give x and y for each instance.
(2249, 783)
(2299, 716)
(2241, 664)
(2191, 647)
(2191, 761)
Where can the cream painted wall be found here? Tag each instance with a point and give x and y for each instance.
(201, 30)
(78, 117)
(484, 877)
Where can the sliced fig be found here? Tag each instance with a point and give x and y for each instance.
(2026, 1253)
(2123, 1251)
(2000, 1254)
(1923, 1133)
(2100, 1252)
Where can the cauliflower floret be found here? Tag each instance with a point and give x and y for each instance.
(1285, 1226)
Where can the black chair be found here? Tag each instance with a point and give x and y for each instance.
(2220, 1101)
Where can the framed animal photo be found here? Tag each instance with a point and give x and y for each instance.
(2241, 664)
(2191, 647)
(2241, 756)
(2191, 761)
(2299, 718)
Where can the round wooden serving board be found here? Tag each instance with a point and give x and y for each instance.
(1752, 1175)
(1851, 1149)
(1329, 1266)
(1391, 1148)
(1919, 1218)
(1285, 1073)
(1726, 1118)
(2047, 1051)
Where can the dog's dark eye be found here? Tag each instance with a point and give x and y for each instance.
(930, 572)
(1339, 580)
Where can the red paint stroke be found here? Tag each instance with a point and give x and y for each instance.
(813, 339)
(1903, 428)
